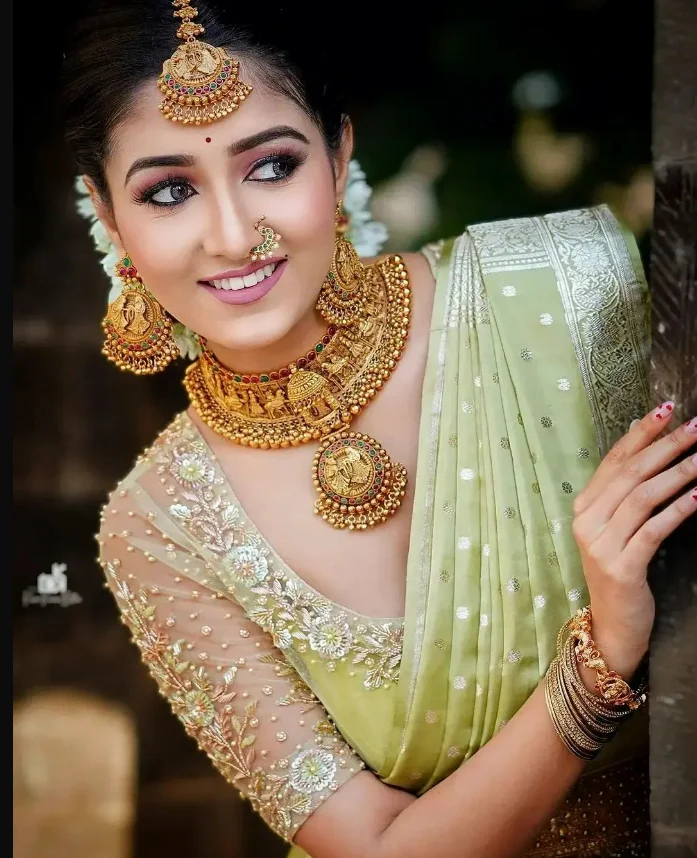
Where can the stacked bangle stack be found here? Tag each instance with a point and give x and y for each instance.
(585, 721)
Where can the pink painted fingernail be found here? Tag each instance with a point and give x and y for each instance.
(691, 426)
(663, 412)
(694, 495)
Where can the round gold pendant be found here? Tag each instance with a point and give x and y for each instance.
(358, 484)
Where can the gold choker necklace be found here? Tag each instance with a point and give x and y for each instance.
(316, 397)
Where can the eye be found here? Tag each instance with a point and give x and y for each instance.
(171, 194)
(172, 191)
(275, 168)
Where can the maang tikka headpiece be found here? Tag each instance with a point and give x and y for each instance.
(199, 82)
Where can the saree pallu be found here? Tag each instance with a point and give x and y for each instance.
(538, 362)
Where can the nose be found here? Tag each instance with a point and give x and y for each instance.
(230, 232)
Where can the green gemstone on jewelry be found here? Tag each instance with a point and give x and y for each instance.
(319, 348)
(237, 378)
(127, 261)
(263, 378)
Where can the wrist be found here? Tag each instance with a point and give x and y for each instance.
(621, 656)
(605, 653)
(622, 649)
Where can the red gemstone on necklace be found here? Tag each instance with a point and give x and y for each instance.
(274, 376)
(302, 362)
(255, 379)
(311, 356)
(284, 373)
(326, 340)
(245, 379)
(332, 330)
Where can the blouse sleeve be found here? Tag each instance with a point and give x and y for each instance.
(236, 695)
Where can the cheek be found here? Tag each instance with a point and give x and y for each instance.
(161, 251)
(305, 216)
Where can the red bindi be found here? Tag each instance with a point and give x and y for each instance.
(208, 139)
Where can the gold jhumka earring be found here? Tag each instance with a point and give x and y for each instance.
(341, 299)
(138, 331)
(268, 245)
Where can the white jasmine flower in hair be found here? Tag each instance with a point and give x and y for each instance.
(100, 237)
(367, 235)
(84, 202)
(186, 341)
(358, 191)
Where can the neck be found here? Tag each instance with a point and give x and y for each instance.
(297, 342)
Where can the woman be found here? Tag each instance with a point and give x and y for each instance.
(347, 564)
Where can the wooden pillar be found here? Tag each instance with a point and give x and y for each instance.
(673, 275)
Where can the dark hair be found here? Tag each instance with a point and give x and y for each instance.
(116, 47)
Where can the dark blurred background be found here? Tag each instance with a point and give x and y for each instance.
(465, 114)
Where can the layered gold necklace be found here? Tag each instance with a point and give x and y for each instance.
(317, 396)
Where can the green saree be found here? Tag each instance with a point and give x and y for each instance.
(537, 364)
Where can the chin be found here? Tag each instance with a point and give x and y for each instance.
(256, 332)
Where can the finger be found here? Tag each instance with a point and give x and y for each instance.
(640, 504)
(637, 470)
(638, 438)
(646, 541)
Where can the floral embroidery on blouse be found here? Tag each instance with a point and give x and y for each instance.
(284, 797)
(294, 614)
(299, 692)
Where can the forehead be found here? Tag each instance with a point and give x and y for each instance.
(145, 131)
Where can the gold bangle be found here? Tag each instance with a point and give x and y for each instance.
(610, 686)
(584, 721)
(590, 725)
(566, 725)
(601, 712)
(596, 731)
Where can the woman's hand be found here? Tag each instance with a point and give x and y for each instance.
(618, 529)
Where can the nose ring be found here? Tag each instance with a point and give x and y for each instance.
(269, 243)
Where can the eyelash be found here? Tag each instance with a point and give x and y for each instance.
(145, 197)
(290, 160)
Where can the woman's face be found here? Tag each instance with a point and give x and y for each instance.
(185, 201)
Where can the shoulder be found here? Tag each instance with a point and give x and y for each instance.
(176, 436)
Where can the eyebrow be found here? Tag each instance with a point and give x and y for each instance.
(236, 148)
